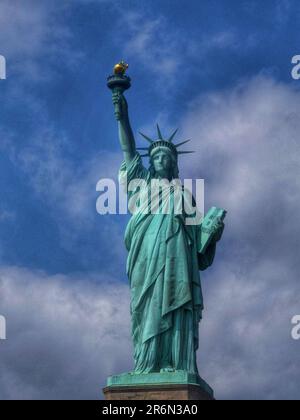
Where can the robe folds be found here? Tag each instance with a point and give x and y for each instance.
(163, 270)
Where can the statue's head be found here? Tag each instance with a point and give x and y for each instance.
(163, 163)
(163, 156)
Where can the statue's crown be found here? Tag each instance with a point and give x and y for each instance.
(162, 143)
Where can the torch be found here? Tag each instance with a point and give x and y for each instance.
(118, 83)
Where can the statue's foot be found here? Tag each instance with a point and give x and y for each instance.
(167, 369)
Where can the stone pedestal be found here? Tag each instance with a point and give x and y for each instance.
(157, 392)
(178, 385)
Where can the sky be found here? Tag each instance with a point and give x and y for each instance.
(220, 71)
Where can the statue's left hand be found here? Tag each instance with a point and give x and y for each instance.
(218, 228)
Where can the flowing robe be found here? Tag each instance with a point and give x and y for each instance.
(163, 269)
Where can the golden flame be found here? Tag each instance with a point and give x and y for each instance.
(120, 68)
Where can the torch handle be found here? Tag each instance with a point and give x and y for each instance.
(118, 83)
(117, 104)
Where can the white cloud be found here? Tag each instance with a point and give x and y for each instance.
(245, 337)
(247, 147)
(68, 189)
(66, 185)
(164, 50)
(248, 151)
(155, 46)
(225, 40)
(15, 20)
(65, 334)
(33, 34)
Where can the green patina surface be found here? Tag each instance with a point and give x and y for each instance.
(165, 257)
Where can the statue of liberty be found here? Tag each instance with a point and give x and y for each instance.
(165, 255)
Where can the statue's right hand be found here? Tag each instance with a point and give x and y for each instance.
(121, 106)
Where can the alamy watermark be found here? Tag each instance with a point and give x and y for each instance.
(159, 196)
(2, 67)
(296, 329)
(2, 328)
(296, 68)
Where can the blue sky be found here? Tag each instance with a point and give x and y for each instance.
(57, 83)
(220, 71)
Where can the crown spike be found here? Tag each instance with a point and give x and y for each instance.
(146, 137)
(173, 135)
(159, 133)
(142, 148)
(183, 142)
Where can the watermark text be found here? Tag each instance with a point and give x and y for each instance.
(2, 328)
(159, 196)
(296, 328)
(296, 68)
(2, 67)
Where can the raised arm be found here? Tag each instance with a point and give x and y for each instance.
(126, 137)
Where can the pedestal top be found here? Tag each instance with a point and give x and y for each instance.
(159, 379)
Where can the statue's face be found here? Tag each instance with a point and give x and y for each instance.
(162, 163)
